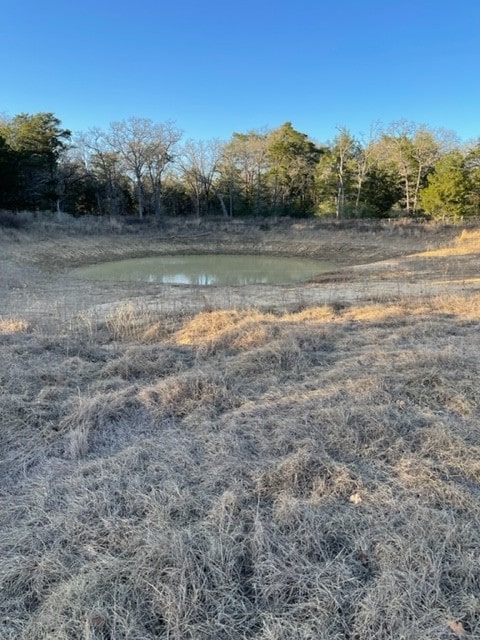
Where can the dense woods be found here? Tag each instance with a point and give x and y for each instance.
(144, 168)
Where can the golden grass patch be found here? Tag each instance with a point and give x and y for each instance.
(13, 325)
(467, 242)
(209, 328)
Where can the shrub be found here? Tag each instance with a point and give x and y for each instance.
(10, 220)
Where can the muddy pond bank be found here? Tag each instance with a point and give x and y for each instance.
(36, 264)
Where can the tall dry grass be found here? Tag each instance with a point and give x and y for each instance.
(239, 474)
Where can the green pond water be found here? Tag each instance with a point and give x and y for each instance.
(207, 270)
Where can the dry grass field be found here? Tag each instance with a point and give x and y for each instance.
(283, 463)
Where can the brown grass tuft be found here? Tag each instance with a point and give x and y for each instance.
(130, 322)
(189, 394)
(13, 325)
(90, 415)
(469, 236)
(220, 330)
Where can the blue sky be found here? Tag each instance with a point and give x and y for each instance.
(218, 67)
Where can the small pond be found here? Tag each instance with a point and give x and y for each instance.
(207, 270)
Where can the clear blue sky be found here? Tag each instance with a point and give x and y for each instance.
(215, 67)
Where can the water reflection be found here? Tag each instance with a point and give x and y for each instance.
(207, 270)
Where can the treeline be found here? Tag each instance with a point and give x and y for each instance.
(141, 167)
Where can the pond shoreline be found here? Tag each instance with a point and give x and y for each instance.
(372, 263)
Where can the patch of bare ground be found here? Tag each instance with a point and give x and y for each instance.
(242, 473)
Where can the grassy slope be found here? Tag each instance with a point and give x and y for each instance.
(242, 474)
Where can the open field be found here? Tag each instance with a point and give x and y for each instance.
(264, 463)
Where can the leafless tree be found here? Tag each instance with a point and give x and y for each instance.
(146, 148)
(199, 162)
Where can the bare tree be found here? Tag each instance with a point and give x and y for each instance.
(159, 154)
(344, 147)
(199, 163)
(412, 150)
(364, 161)
(246, 158)
(146, 148)
(104, 165)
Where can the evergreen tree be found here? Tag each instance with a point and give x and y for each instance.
(36, 142)
(446, 195)
(292, 162)
(8, 175)
(472, 166)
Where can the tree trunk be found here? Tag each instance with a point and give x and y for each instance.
(196, 202)
(407, 194)
(139, 197)
(417, 189)
(341, 189)
(359, 191)
(340, 197)
(362, 172)
(158, 204)
(230, 200)
(222, 204)
(59, 210)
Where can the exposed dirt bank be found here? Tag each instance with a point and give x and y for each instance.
(375, 260)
